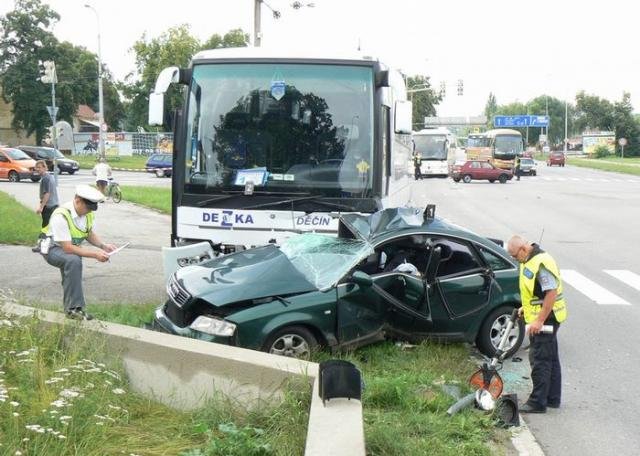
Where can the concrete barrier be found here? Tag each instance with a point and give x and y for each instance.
(183, 372)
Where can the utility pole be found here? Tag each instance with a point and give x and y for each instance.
(49, 76)
(566, 122)
(100, 96)
(257, 33)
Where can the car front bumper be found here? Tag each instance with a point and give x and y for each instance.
(162, 322)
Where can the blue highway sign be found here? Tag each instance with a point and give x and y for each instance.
(521, 121)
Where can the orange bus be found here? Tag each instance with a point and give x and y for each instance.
(499, 147)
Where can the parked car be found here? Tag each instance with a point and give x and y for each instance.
(160, 164)
(556, 158)
(16, 165)
(480, 170)
(65, 165)
(528, 167)
(392, 274)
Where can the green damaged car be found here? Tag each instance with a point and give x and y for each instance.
(399, 273)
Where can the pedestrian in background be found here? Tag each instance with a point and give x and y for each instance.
(102, 171)
(70, 225)
(518, 166)
(542, 304)
(417, 164)
(48, 198)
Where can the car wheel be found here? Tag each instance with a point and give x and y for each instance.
(492, 180)
(35, 179)
(503, 178)
(534, 173)
(456, 179)
(71, 172)
(493, 329)
(293, 341)
(466, 179)
(159, 173)
(14, 177)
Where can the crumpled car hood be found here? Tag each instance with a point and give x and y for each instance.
(250, 274)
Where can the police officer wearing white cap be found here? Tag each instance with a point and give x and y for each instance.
(70, 225)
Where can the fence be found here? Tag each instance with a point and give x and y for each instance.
(123, 143)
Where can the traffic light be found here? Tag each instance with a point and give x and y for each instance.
(460, 87)
(48, 72)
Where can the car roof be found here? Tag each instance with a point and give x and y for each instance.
(393, 222)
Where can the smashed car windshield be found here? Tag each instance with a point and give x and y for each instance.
(322, 259)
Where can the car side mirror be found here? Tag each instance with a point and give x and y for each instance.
(362, 278)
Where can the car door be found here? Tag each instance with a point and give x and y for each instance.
(461, 286)
(394, 299)
(488, 171)
(4, 165)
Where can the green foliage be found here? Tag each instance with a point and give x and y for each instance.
(601, 151)
(490, 109)
(25, 39)
(18, 224)
(424, 101)
(153, 197)
(175, 47)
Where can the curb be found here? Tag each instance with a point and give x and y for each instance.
(524, 441)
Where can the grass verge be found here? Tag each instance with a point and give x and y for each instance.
(61, 394)
(18, 224)
(153, 197)
(626, 166)
(136, 162)
(404, 404)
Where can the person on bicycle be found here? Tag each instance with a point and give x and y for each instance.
(102, 171)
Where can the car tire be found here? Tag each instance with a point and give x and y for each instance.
(35, 179)
(292, 341)
(466, 179)
(492, 329)
(456, 179)
(534, 173)
(503, 178)
(13, 176)
(71, 172)
(492, 180)
(159, 173)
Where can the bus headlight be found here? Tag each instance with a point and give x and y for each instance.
(213, 326)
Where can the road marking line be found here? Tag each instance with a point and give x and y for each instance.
(591, 289)
(576, 179)
(628, 277)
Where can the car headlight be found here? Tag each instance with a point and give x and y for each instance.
(213, 326)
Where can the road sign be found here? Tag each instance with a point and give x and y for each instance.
(53, 113)
(521, 121)
(622, 141)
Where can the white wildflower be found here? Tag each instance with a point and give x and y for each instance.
(101, 365)
(112, 374)
(61, 437)
(99, 423)
(69, 393)
(14, 403)
(25, 360)
(26, 439)
(89, 385)
(118, 391)
(107, 382)
(18, 453)
(64, 369)
(93, 369)
(53, 380)
(59, 403)
(54, 412)
(15, 414)
(65, 417)
(114, 407)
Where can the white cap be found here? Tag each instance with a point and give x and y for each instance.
(89, 193)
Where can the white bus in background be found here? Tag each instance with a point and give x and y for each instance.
(437, 147)
(273, 143)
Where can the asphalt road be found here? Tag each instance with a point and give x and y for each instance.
(589, 221)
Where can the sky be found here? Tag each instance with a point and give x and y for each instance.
(517, 50)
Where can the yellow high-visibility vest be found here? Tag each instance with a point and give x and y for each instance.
(531, 304)
(77, 235)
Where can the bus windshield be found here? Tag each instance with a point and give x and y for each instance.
(431, 147)
(284, 127)
(508, 146)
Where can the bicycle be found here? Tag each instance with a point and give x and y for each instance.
(113, 191)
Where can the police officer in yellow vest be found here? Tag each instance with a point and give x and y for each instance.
(70, 225)
(542, 304)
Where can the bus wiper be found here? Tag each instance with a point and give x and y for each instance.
(233, 193)
(215, 198)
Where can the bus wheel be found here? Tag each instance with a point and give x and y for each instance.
(503, 178)
(466, 179)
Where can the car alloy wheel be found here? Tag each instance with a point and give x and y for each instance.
(493, 329)
(503, 179)
(14, 177)
(159, 173)
(466, 179)
(294, 342)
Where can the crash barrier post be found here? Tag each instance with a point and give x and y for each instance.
(183, 372)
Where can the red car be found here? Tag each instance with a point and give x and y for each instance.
(556, 158)
(480, 170)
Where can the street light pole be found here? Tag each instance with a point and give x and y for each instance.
(257, 33)
(100, 95)
(566, 118)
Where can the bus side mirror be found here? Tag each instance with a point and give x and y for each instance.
(156, 108)
(403, 117)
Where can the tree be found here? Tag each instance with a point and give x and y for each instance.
(424, 99)
(626, 125)
(594, 113)
(175, 47)
(490, 109)
(25, 39)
